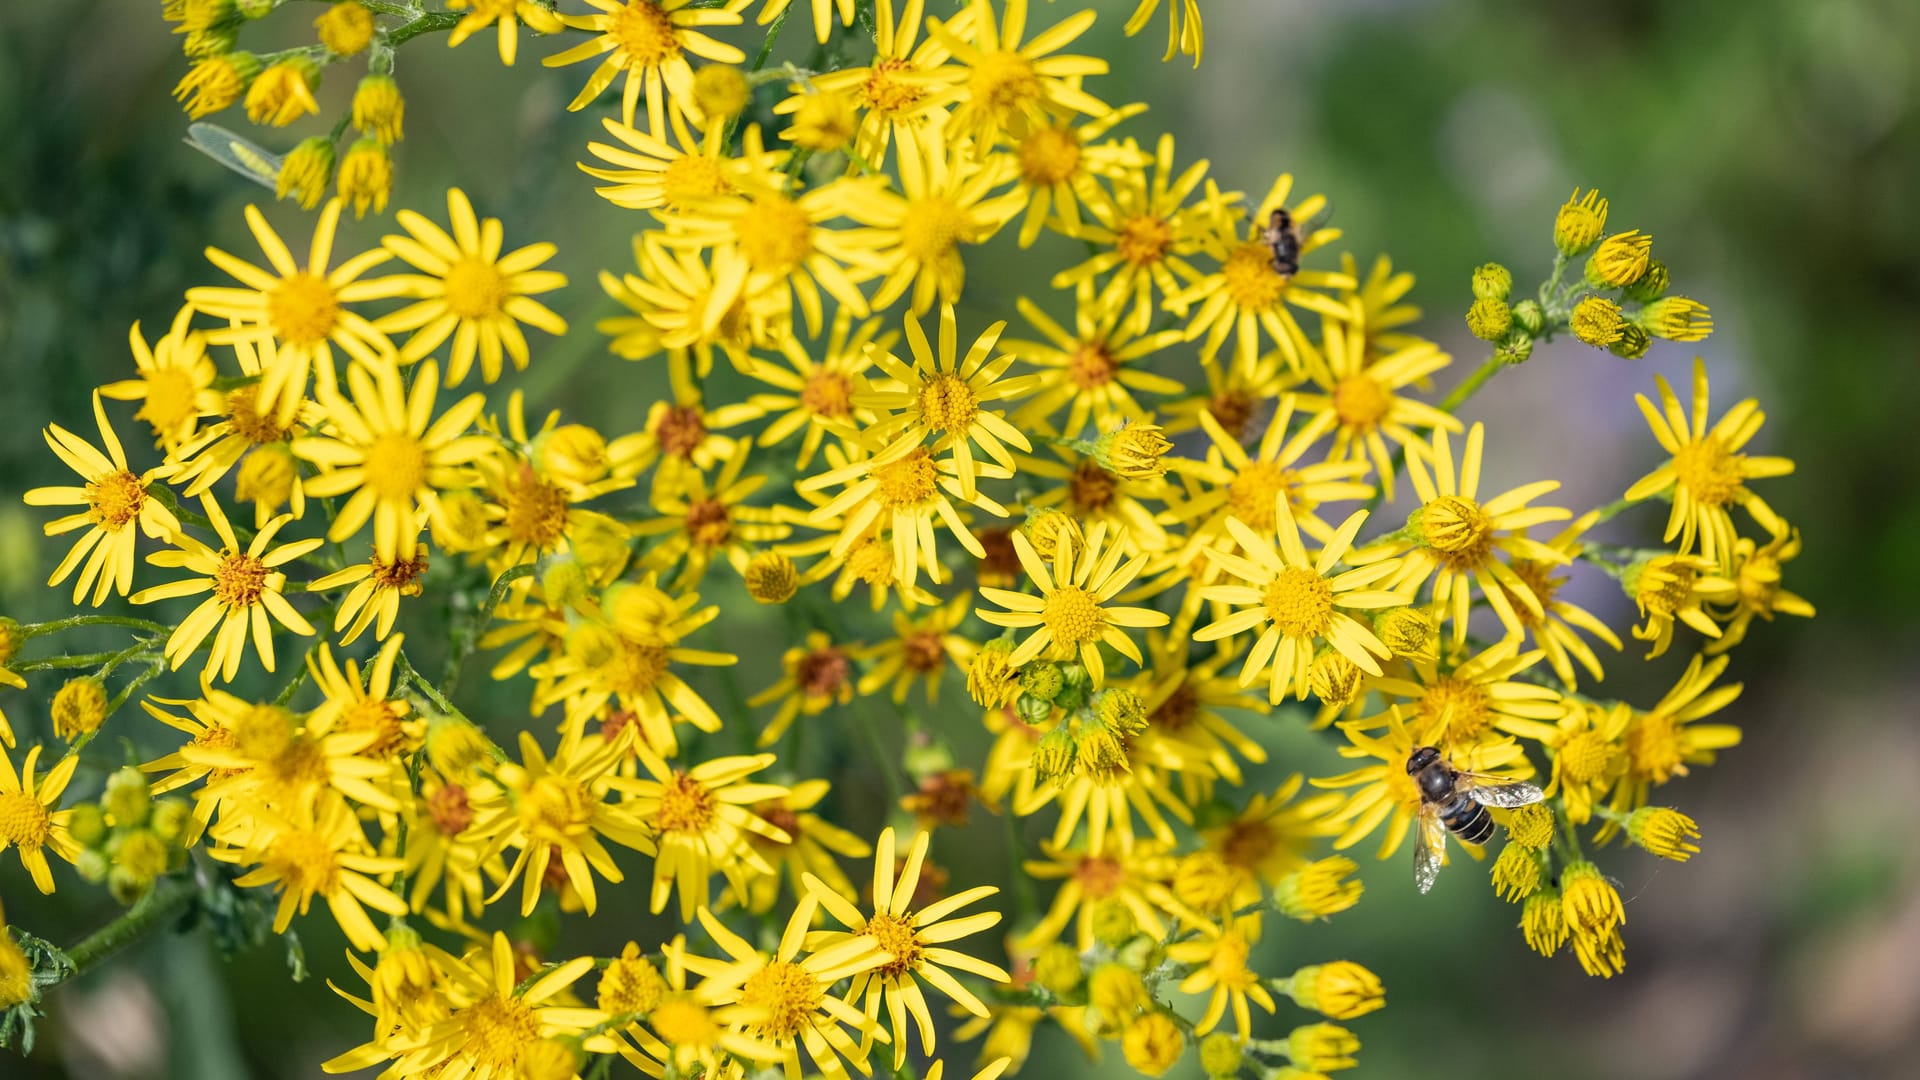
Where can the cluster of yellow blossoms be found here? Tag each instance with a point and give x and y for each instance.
(1130, 561)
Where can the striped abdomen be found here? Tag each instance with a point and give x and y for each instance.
(1467, 820)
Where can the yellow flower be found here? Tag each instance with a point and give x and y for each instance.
(366, 176)
(944, 394)
(672, 294)
(283, 92)
(245, 425)
(1152, 1043)
(780, 1001)
(1456, 536)
(904, 496)
(1271, 836)
(392, 455)
(1057, 168)
(1676, 318)
(378, 109)
(302, 310)
(1580, 222)
(769, 242)
(1462, 702)
(345, 28)
(810, 847)
(1707, 473)
(1143, 234)
(114, 497)
(635, 669)
(1185, 36)
(556, 809)
(1132, 879)
(327, 857)
(824, 121)
(920, 648)
(903, 93)
(1185, 699)
(675, 170)
(305, 171)
(215, 83)
(703, 522)
(28, 821)
(1089, 495)
(1318, 889)
(469, 291)
(1553, 630)
(1360, 403)
(1299, 603)
(701, 821)
(1319, 1049)
(817, 395)
(1071, 615)
(491, 1017)
(175, 387)
(914, 940)
(1663, 741)
(506, 15)
(378, 584)
(1219, 958)
(1339, 989)
(247, 587)
(354, 704)
(1012, 87)
(649, 40)
(1589, 755)
(1248, 294)
(1757, 592)
(1093, 372)
(944, 201)
(1252, 488)
(1385, 794)
(1664, 832)
(1670, 588)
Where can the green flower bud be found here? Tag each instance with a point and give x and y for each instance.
(1652, 285)
(128, 800)
(87, 826)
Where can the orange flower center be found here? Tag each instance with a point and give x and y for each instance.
(686, 806)
(1144, 240)
(1252, 282)
(475, 288)
(681, 431)
(887, 94)
(396, 466)
(1360, 402)
(24, 823)
(785, 996)
(827, 393)
(775, 235)
(1300, 603)
(644, 31)
(907, 482)
(1099, 877)
(239, 580)
(1708, 472)
(896, 935)
(1253, 496)
(1460, 709)
(247, 421)
(931, 227)
(1074, 617)
(1049, 155)
(1089, 489)
(536, 510)
(1005, 82)
(114, 500)
(302, 310)
(1091, 366)
(948, 403)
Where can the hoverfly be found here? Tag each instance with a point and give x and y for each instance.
(1455, 800)
(1286, 235)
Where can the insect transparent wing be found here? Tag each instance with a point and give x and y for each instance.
(1506, 796)
(1318, 221)
(1429, 849)
(234, 152)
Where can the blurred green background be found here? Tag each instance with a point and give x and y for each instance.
(1771, 148)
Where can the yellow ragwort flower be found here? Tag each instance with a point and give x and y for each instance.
(1072, 615)
(115, 499)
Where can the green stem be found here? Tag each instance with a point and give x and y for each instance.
(168, 900)
(889, 768)
(432, 22)
(57, 625)
(464, 647)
